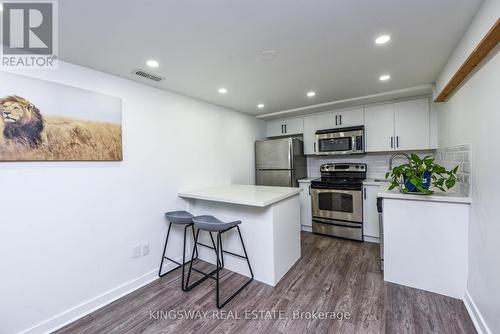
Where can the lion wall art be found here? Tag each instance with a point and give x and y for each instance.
(41, 120)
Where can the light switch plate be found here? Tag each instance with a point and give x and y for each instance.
(145, 249)
(136, 251)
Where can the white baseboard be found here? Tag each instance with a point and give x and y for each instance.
(62, 319)
(306, 228)
(367, 238)
(477, 318)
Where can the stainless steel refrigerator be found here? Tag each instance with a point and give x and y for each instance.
(280, 162)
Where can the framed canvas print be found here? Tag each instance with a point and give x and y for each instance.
(42, 120)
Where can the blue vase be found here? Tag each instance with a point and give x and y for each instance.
(426, 182)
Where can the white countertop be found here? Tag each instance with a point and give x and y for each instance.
(449, 197)
(259, 196)
(308, 180)
(375, 182)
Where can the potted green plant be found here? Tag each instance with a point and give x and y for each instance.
(420, 175)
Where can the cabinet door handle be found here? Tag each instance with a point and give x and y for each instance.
(392, 142)
(364, 192)
(336, 119)
(285, 128)
(282, 129)
(340, 118)
(309, 189)
(397, 141)
(314, 146)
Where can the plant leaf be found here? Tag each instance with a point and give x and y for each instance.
(450, 183)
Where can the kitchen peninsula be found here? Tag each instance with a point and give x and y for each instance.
(270, 226)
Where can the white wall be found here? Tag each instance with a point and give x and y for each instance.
(472, 115)
(67, 228)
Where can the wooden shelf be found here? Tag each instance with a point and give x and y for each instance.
(487, 44)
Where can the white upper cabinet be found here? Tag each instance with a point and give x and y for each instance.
(400, 126)
(285, 127)
(274, 128)
(411, 125)
(294, 126)
(347, 118)
(312, 124)
(325, 121)
(379, 128)
(309, 135)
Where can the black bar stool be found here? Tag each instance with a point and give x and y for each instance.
(211, 224)
(186, 219)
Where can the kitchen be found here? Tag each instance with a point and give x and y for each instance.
(253, 168)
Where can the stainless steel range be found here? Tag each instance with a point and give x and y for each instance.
(337, 201)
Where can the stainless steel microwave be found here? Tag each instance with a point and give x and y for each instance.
(341, 141)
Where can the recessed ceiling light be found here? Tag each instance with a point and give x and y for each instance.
(260, 106)
(382, 39)
(384, 77)
(311, 94)
(222, 90)
(152, 63)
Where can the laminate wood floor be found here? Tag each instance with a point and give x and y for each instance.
(333, 275)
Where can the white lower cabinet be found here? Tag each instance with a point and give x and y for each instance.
(370, 214)
(305, 205)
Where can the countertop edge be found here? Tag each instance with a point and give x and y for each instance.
(307, 180)
(262, 204)
(425, 198)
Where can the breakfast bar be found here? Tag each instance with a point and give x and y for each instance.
(270, 226)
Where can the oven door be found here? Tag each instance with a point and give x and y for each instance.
(338, 204)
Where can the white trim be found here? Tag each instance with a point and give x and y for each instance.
(62, 319)
(371, 239)
(306, 228)
(477, 318)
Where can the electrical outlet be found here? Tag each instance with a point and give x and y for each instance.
(145, 249)
(136, 251)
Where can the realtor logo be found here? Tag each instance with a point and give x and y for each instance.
(29, 38)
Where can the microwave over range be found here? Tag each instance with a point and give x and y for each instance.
(349, 140)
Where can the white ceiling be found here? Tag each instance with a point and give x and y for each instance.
(323, 45)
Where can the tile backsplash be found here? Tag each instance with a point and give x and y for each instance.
(459, 155)
(377, 164)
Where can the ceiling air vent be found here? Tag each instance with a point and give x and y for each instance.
(146, 75)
